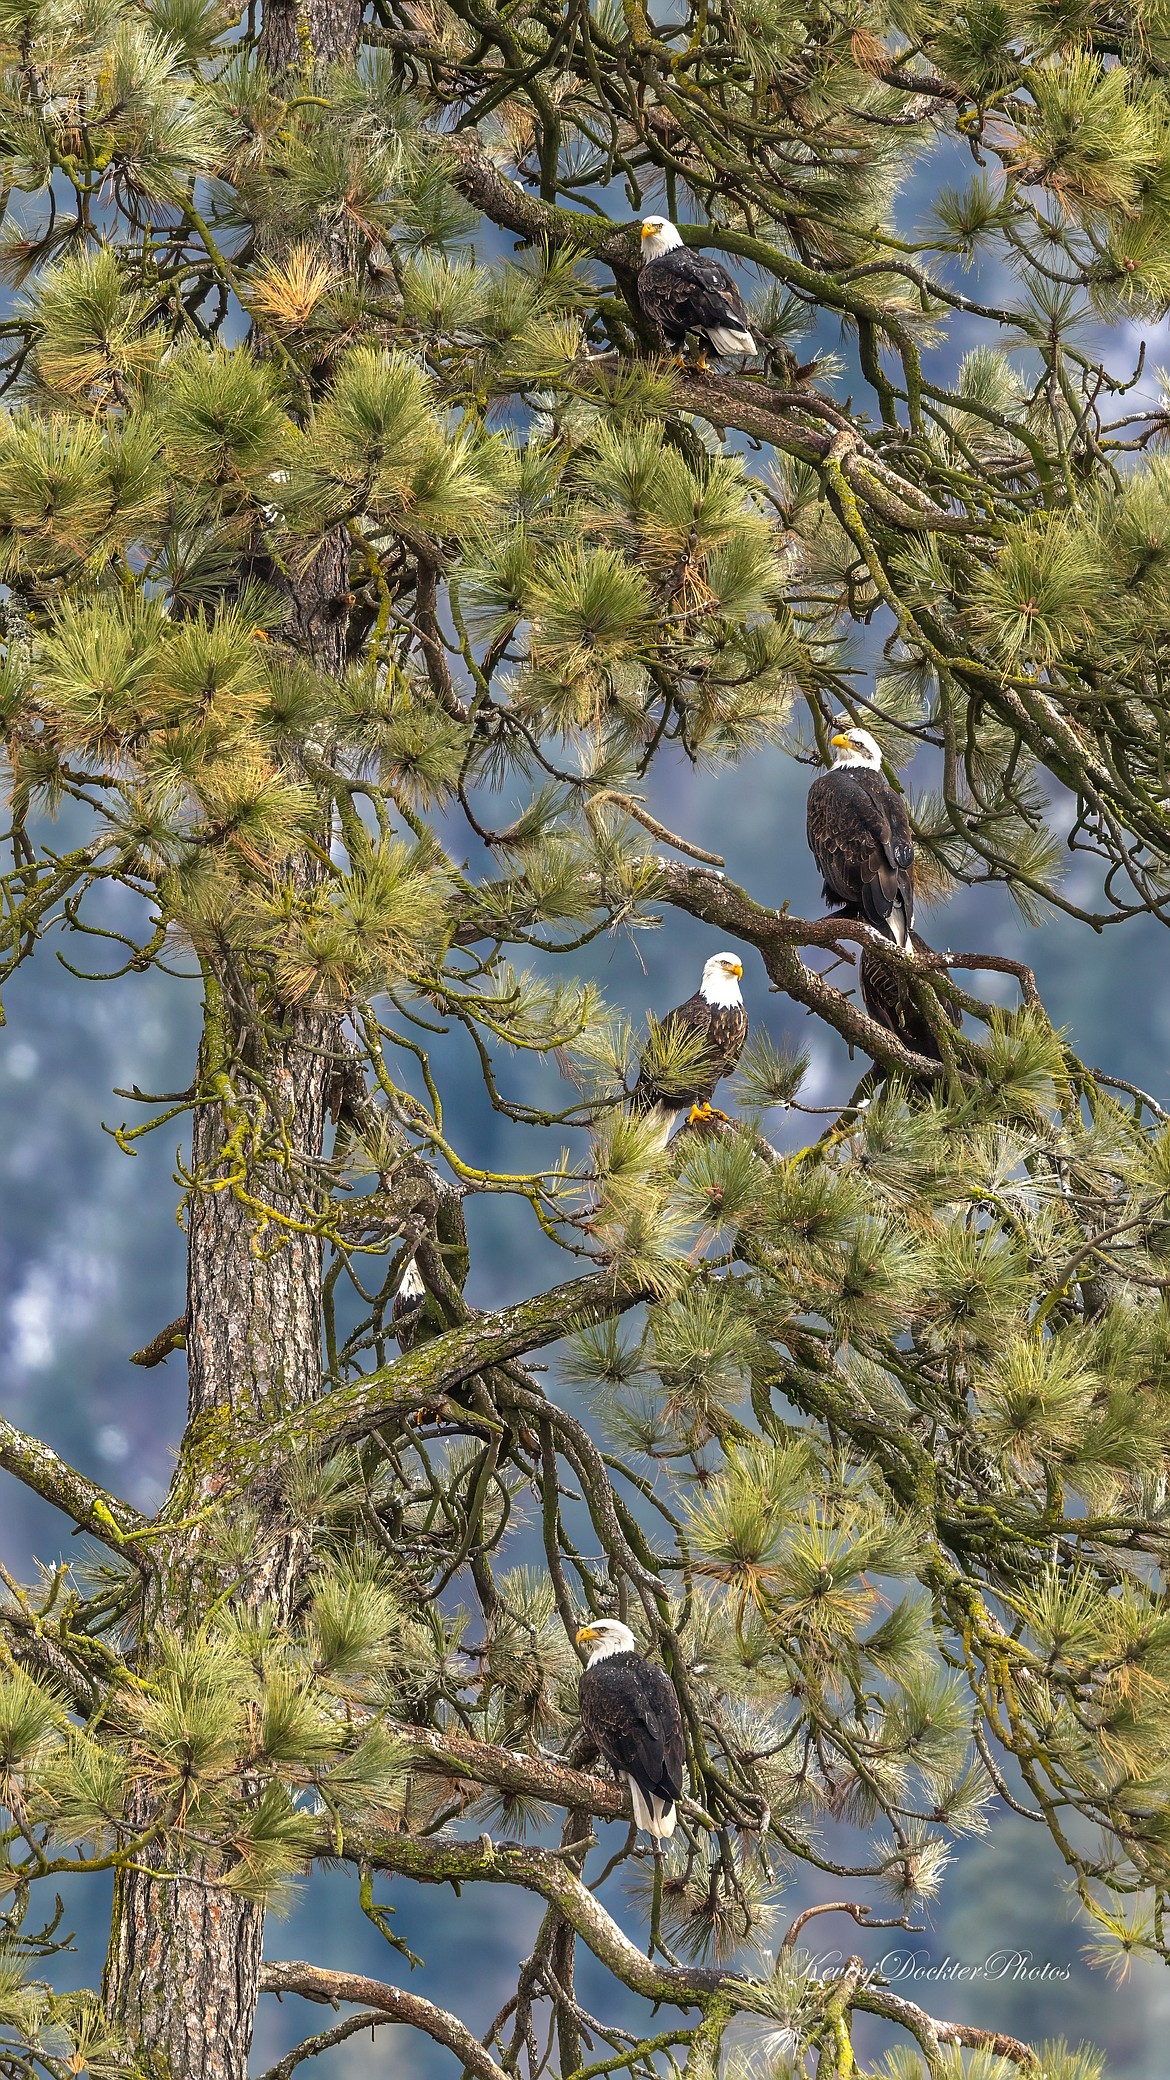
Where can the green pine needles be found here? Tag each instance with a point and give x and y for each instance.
(368, 572)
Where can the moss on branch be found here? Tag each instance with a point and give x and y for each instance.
(89, 1506)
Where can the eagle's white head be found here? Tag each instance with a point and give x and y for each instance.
(855, 747)
(659, 236)
(720, 984)
(606, 1636)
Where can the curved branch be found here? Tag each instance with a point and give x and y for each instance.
(432, 1860)
(314, 1983)
(719, 902)
(90, 1507)
(933, 2034)
(416, 1379)
(435, 1861)
(312, 2047)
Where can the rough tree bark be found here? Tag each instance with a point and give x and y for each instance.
(183, 1966)
(183, 1970)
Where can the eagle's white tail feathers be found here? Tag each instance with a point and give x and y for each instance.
(655, 1816)
(663, 1118)
(900, 927)
(665, 1813)
(731, 339)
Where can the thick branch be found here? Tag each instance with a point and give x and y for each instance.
(539, 223)
(423, 1376)
(91, 1508)
(780, 417)
(313, 1983)
(474, 1762)
(434, 1861)
(159, 1349)
(932, 2034)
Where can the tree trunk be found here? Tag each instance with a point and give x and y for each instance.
(182, 1974)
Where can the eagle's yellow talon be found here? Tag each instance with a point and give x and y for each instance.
(700, 1112)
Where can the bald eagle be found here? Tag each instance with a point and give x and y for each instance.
(714, 1015)
(859, 835)
(681, 292)
(630, 1712)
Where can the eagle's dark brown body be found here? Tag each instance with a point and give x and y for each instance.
(859, 834)
(682, 292)
(630, 1712)
(723, 1030)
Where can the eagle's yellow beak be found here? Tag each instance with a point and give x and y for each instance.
(584, 1632)
(841, 742)
(649, 228)
(735, 967)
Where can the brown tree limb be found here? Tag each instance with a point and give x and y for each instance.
(473, 1762)
(314, 1983)
(932, 2034)
(475, 174)
(862, 1914)
(434, 1861)
(90, 1507)
(172, 1338)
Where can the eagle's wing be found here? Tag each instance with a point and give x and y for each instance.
(894, 875)
(859, 834)
(630, 1711)
(684, 292)
(664, 1724)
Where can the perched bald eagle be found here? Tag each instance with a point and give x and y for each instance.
(630, 1712)
(889, 999)
(681, 292)
(406, 1308)
(859, 835)
(714, 1015)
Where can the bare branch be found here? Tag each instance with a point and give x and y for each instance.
(474, 1762)
(172, 1338)
(932, 2034)
(314, 1983)
(312, 2047)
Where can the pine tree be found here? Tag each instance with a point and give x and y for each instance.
(367, 569)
